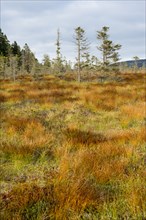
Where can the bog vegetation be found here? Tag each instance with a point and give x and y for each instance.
(73, 150)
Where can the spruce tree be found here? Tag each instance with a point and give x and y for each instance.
(46, 63)
(15, 49)
(136, 58)
(107, 48)
(16, 52)
(4, 45)
(27, 59)
(58, 62)
(82, 48)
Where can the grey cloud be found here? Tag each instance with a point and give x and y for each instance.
(36, 23)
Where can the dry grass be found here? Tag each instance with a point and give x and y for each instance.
(73, 151)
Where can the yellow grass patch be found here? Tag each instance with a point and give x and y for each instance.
(136, 111)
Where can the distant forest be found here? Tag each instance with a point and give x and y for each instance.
(16, 61)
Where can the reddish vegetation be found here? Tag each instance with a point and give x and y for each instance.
(73, 151)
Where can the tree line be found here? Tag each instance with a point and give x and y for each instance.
(16, 61)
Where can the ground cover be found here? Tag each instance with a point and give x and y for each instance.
(73, 151)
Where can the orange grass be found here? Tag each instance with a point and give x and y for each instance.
(82, 145)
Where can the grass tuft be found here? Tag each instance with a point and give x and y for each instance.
(73, 151)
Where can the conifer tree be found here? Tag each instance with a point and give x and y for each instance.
(27, 59)
(16, 52)
(13, 66)
(4, 45)
(15, 49)
(108, 48)
(46, 63)
(58, 62)
(136, 58)
(82, 48)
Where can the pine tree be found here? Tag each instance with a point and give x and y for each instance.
(46, 63)
(15, 49)
(4, 45)
(13, 66)
(58, 62)
(27, 59)
(58, 53)
(107, 48)
(82, 48)
(16, 52)
(136, 58)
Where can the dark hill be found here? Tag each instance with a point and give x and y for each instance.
(131, 63)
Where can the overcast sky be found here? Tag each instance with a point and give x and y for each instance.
(35, 22)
